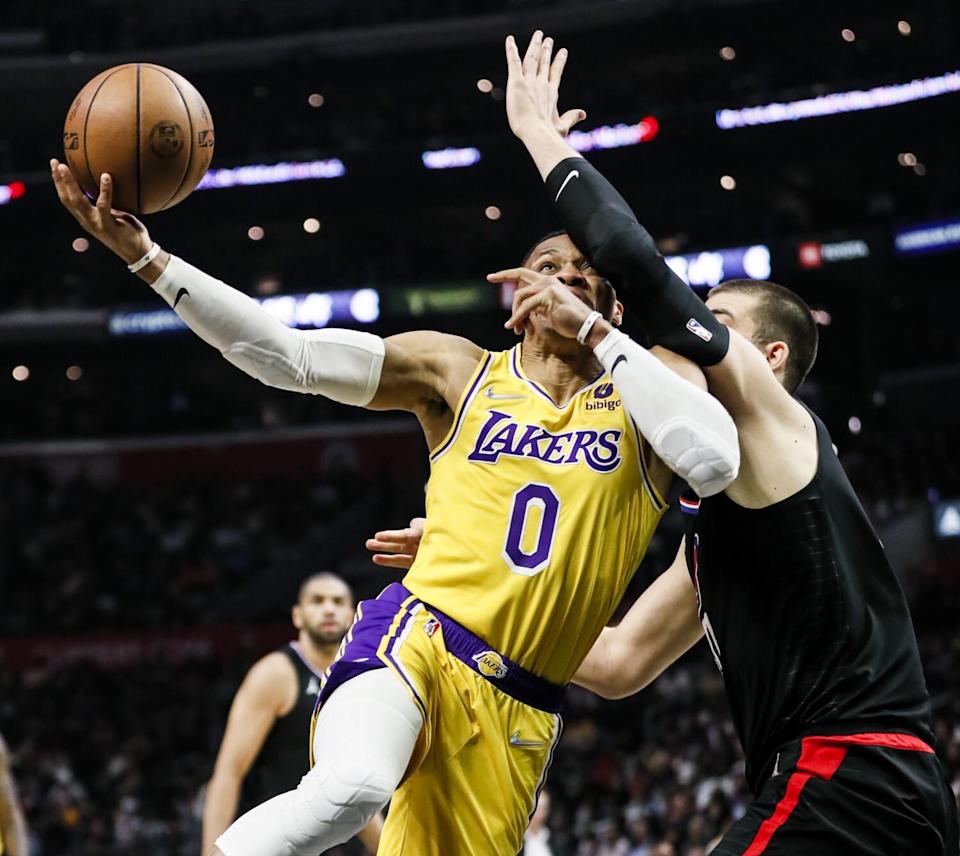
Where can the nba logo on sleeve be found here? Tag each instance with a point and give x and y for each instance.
(699, 330)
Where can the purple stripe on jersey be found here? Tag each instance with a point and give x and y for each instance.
(455, 430)
(515, 365)
(652, 492)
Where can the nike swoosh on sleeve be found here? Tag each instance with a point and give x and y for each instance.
(574, 173)
(180, 294)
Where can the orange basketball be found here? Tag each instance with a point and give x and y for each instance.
(145, 125)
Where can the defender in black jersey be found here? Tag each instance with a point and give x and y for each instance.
(266, 742)
(790, 584)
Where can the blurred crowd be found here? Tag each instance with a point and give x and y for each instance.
(114, 762)
(83, 556)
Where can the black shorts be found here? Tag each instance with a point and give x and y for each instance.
(853, 795)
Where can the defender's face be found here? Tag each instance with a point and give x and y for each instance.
(325, 610)
(735, 311)
(559, 257)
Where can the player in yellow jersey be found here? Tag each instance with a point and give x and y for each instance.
(546, 485)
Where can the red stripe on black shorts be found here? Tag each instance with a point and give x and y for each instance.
(821, 757)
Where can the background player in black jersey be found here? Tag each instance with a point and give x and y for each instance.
(13, 828)
(265, 745)
(782, 572)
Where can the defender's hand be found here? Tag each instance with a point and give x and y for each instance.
(397, 548)
(545, 296)
(117, 230)
(533, 87)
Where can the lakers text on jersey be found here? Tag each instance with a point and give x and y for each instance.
(537, 516)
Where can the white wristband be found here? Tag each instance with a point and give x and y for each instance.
(587, 326)
(145, 259)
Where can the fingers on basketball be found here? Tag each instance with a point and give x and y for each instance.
(105, 199)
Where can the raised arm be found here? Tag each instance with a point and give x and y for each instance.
(658, 629)
(773, 425)
(422, 372)
(598, 219)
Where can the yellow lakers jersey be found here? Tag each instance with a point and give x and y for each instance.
(537, 516)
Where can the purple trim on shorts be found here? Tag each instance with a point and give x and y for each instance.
(514, 680)
(360, 655)
(401, 633)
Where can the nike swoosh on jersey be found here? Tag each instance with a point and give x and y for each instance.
(517, 742)
(574, 173)
(180, 294)
(495, 396)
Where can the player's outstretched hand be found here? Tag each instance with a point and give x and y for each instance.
(118, 231)
(397, 548)
(533, 87)
(547, 298)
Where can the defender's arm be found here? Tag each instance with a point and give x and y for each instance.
(659, 628)
(603, 226)
(598, 219)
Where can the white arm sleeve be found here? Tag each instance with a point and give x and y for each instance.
(689, 430)
(343, 365)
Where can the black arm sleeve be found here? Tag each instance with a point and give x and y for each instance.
(603, 227)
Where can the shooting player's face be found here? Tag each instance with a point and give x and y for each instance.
(557, 256)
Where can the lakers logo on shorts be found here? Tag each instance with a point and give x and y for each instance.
(490, 664)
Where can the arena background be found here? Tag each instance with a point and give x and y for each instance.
(157, 507)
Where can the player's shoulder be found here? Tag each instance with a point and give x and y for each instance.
(434, 344)
(271, 676)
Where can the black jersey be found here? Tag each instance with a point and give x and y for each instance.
(285, 756)
(805, 617)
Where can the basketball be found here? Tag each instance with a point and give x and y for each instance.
(145, 125)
